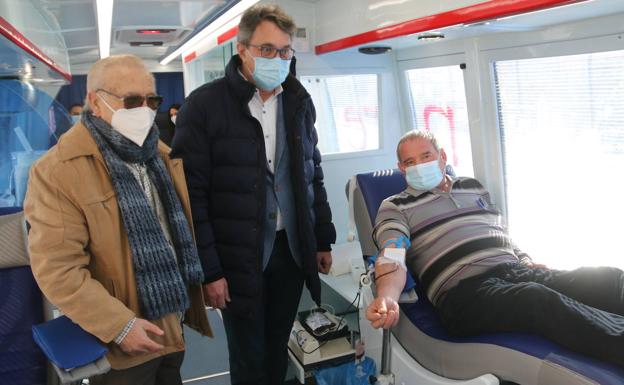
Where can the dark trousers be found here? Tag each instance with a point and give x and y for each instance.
(163, 370)
(581, 309)
(258, 346)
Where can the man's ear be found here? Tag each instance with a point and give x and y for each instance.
(443, 157)
(240, 48)
(94, 103)
(401, 167)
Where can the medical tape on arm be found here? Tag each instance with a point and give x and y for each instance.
(396, 254)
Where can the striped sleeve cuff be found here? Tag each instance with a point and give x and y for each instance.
(120, 337)
(387, 235)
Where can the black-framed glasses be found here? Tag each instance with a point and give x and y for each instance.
(134, 101)
(269, 52)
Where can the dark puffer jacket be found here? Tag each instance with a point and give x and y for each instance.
(222, 146)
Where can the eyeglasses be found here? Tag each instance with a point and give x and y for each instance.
(270, 52)
(134, 101)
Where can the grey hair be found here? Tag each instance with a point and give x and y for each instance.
(264, 12)
(417, 134)
(96, 78)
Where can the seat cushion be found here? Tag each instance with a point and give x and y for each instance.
(533, 359)
(21, 361)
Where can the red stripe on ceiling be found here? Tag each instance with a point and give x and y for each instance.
(471, 14)
(190, 57)
(227, 35)
(7, 30)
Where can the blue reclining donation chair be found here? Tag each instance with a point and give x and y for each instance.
(517, 357)
(21, 360)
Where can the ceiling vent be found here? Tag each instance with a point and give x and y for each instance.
(146, 43)
(374, 50)
(431, 36)
(137, 37)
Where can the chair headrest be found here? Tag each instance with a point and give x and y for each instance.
(13, 238)
(379, 185)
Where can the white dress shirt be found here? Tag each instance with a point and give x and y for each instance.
(265, 112)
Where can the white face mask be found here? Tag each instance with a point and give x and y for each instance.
(173, 119)
(134, 124)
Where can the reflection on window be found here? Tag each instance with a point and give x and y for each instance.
(562, 126)
(438, 104)
(215, 61)
(30, 122)
(347, 112)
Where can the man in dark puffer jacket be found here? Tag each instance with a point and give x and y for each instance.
(262, 221)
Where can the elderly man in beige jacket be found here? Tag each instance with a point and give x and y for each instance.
(110, 242)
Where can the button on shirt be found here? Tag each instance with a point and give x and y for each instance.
(266, 113)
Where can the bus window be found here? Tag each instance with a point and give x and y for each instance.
(562, 129)
(438, 104)
(347, 112)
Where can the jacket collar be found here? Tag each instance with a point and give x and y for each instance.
(78, 142)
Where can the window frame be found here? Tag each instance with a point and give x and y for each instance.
(492, 50)
(378, 72)
(412, 64)
(446, 60)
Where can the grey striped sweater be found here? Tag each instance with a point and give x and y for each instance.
(453, 235)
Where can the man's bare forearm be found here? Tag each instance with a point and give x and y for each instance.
(389, 280)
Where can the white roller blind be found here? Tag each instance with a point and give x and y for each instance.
(347, 112)
(438, 104)
(562, 127)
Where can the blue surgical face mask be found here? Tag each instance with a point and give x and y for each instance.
(75, 119)
(270, 73)
(424, 176)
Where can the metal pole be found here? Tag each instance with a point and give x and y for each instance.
(385, 353)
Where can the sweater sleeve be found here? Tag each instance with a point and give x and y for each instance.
(390, 223)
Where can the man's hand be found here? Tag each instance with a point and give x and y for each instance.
(137, 341)
(529, 263)
(537, 265)
(383, 312)
(324, 261)
(216, 293)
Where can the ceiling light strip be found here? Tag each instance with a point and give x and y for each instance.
(210, 30)
(105, 24)
(474, 13)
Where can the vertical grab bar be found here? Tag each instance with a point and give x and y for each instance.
(386, 353)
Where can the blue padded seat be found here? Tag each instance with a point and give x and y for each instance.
(21, 360)
(570, 367)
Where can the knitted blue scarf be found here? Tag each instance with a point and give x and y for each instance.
(161, 280)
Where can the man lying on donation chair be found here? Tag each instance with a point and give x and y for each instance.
(472, 273)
